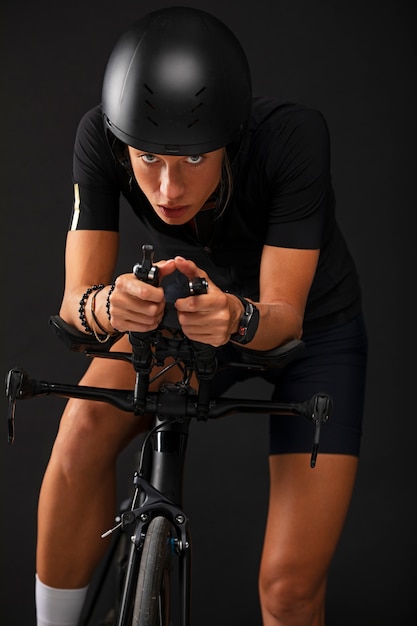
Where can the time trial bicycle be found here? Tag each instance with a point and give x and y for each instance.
(152, 530)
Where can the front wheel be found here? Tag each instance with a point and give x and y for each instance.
(153, 591)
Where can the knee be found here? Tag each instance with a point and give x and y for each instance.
(87, 443)
(289, 598)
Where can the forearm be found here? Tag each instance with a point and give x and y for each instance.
(278, 323)
(87, 308)
(90, 259)
(214, 317)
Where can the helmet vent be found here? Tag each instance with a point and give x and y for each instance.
(150, 105)
(152, 121)
(200, 91)
(148, 88)
(193, 123)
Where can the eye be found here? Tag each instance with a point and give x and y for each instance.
(195, 158)
(148, 158)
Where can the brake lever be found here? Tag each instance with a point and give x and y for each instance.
(197, 286)
(147, 271)
(14, 380)
(322, 406)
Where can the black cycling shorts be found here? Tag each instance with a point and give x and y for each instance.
(334, 362)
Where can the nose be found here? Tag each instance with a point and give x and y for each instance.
(171, 183)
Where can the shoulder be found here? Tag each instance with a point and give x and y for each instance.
(283, 133)
(283, 127)
(271, 114)
(91, 128)
(92, 151)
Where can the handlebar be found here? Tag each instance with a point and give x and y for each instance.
(170, 402)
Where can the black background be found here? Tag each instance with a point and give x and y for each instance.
(355, 61)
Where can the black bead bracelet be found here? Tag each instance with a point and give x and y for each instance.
(108, 304)
(81, 309)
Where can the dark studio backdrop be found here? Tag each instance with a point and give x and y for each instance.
(355, 61)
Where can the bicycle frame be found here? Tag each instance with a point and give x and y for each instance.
(161, 495)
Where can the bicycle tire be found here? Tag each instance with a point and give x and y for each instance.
(152, 600)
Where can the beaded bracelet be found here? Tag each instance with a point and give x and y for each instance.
(81, 309)
(94, 321)
(108, 304)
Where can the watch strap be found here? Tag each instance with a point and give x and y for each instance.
(248, 323)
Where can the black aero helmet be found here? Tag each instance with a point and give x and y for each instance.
(177, 82)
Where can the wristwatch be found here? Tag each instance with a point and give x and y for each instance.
(248, 323)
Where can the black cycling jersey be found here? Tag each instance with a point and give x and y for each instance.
(282, 196)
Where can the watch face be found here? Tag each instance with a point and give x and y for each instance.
(248, 324)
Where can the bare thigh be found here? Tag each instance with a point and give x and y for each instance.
(99, 425)
(102, 428)
(78, 490)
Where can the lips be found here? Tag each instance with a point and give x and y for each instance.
(172, 212)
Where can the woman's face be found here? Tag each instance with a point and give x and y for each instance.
(177, 186)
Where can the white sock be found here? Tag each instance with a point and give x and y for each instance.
(58, 607)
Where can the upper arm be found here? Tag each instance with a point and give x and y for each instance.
(300, 205)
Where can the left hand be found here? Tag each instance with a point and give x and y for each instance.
(210, 318)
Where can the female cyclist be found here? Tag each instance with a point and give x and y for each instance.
(238, 190)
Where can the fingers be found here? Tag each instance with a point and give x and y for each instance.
(189, 268)
(136, 305)
(206, 318)
(166, 267)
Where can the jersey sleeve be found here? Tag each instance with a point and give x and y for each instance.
(300, 183)
(96, 187)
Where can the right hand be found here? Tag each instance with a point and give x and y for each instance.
(137, 306)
